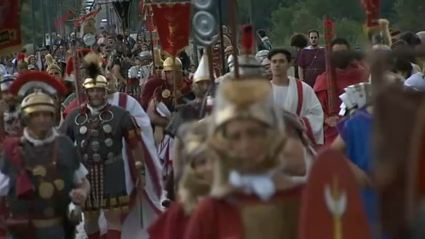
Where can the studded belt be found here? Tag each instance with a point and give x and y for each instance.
(38, 223)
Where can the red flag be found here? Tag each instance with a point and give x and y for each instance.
(63, 19)
(141, 6)
(371, 8)
(89, 15)
(173, 25)
(10, 27)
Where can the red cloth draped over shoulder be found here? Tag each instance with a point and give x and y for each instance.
(171, 224)
(354, 74)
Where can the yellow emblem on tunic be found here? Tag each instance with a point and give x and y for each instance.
(166, 94)
(39, 171)
(46, 190)
(60, 185)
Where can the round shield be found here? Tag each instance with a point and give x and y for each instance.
(94, 133)
(204, 24)
(89, 39)
(107, 128)
(109, 142)
(110, 156)
(60, 185)
(96, 157)
(83, 130)
(39, 171)
(203, 4)
(45, 190)
(95, 145)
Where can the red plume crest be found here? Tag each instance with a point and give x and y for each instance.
(247, 40)
(37, 76)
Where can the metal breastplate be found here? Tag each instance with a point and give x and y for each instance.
(52, 177)
(99, 138)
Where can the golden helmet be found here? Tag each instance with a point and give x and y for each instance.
(203, 72)
(41, 100)
(37, 102)
(170, 66)
(93, 67)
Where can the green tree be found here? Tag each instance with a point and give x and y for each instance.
(410, 14)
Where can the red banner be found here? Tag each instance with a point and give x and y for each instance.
(59, 22)
(371, 8)
(10, 27)
(173, 25)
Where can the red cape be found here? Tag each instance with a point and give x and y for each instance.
(221, 219)
(343, 78)
(171, 224)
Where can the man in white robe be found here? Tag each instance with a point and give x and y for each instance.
(296, 96)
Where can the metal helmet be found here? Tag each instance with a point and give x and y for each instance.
(203, 72)
(170, 66)
(145, 55)
(261, 55)
(43, 85)
(93, 66)
(6, 81)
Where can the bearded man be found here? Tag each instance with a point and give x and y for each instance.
(311, 60)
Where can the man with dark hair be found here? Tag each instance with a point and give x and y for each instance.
(346, 71)
(295, 96)
(311, 60)
(299, 41)
(340, 44)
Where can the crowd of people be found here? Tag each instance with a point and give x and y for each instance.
(136, 139)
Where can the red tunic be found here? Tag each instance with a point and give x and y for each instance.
(171, 224)
(154, 88)
(221, 218)
(313, 63)
(342, 78)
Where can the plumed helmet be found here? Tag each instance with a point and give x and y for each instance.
(145, 55)
(43, 85)
(93, 68)
(70, 63)
(170, 66)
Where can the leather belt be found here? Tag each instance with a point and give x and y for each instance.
(41, 223)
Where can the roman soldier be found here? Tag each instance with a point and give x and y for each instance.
(41, 172)
(250, 197)
(120, 66)
(98, 129)
(195, 182)
(139, 74)
(190, 111)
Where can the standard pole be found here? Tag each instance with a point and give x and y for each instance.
(34, 40)
(43, 23)
(220, 20)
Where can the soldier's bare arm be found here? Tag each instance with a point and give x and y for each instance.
(154, 117)
(116, 69)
